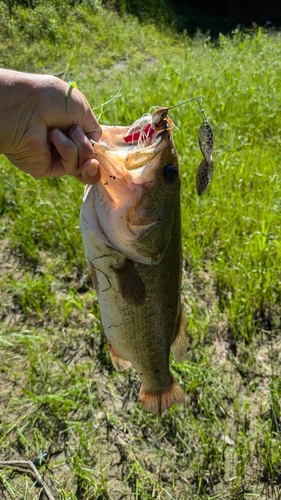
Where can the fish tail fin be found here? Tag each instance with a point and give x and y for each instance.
(158, 402)
(119, 363)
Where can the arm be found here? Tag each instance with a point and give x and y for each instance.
(39, 135)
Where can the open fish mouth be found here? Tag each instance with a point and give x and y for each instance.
(134, 146)
(127, 202)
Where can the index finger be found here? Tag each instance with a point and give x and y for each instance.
(90, 125)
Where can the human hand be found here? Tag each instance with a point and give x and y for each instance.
(39, 135)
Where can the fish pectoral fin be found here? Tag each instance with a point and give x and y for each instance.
(181, 340)
(130, 284)
(119, 363)
(158, 402)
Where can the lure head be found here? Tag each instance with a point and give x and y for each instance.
(159, 115)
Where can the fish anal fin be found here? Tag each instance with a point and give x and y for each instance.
(118, 362)
(181, 341)
(130, 284)
(158, 402)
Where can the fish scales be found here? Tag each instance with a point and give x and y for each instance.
(131, 229)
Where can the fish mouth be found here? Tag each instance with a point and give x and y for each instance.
(129, 159)
(116, 158)
(123, 163)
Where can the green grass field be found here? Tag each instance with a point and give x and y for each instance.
(58, 389)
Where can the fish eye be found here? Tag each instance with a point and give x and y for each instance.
(170, 173)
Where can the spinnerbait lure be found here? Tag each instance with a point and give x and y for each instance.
(206, 168)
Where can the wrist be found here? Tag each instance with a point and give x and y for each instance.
(14, 111)
(26, 97)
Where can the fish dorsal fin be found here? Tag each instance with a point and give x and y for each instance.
(119, 363)
(180, 342)
(130, 284)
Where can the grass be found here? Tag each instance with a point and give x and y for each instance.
(59, 391)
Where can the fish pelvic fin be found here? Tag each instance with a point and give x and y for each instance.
(93, 275)
(130, 284)
(119, 363)
(158, 402)
(181, 340)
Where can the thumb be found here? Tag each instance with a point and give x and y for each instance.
(90, 171)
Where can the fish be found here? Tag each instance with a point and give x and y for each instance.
(131, 230)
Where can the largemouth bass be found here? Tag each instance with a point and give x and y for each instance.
(131, 228)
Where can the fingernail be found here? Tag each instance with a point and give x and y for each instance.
(60, 136)
(79, 134)
(92, 172)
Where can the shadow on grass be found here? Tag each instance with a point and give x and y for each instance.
(210, 18)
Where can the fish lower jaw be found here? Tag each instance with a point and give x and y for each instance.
(157, 402)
